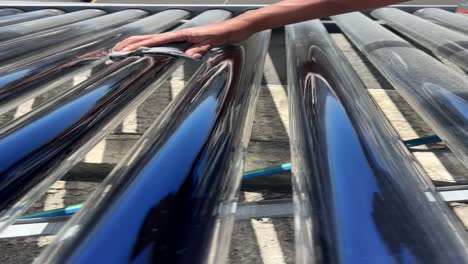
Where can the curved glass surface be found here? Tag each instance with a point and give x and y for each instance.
(443, 42)
(445, 18)
(21, 78)
(9, 11)
(100, 120)
(176, 190)
(25, 28)
(18, 18)
(437, 93)
(64, 124)
(19, 48)
(359, 195)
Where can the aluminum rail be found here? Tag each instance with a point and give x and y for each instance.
(25, 28)
(19, 48)
(444, 18)
(20, 80)
(14, 19)
(177, 188)
(195, 9)
(10, 11)
(441, 41)
(437, 93)
(93, 104)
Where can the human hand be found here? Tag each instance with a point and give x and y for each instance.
(203, 38)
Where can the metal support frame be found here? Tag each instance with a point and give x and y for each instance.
(249, 210)
(194, 9)
(52, 225)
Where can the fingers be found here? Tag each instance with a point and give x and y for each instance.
(197, 51)
(152, 40)
(129, 41)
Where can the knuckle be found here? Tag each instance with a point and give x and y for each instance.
(181, 34)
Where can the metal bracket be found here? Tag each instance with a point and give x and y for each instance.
(453, 194)
(265, 209)
(51, 225)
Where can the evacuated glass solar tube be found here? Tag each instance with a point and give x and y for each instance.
(25, 28)
(359, 196)
(9, 11)
(188, 166)
(22, 47)
(441, 41)
(436, 92)
(23, 17)
(92, 103)
(20, 79)
(104, 122)
(445, 18)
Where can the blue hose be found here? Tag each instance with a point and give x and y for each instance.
(421, 141)
(69, 210)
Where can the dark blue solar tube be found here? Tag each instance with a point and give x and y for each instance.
(173, 198)
(97, 106)
(25, 28)
(62, 123)
(18, 18)
(38, 139)
(359, 195)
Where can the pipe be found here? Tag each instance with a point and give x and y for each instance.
(101, 126)
(444, 18)
(359, 196)
(23, 46)
(421, 141)
(25, 28)
(21, 79)
(436, 93)
(14, 19)
(69, 210)
(9, 12)
(72, 209)
(183, 213)
(441, 41)
(267, 171)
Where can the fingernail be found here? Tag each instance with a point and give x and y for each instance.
(125, 49)
(197, 56)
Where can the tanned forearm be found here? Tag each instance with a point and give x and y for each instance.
(294, 11)
(241, 27)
